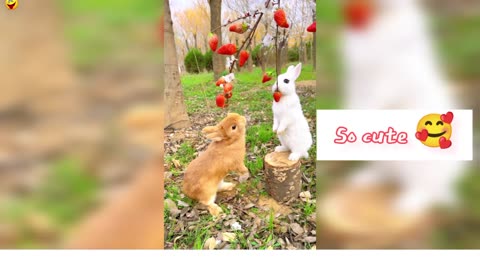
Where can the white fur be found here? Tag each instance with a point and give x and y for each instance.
(288, 120)
(391, 65)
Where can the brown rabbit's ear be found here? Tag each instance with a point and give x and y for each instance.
(213, 133)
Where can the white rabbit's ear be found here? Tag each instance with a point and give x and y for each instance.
(296, 71)
(289, 69)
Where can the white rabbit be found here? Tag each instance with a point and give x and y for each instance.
(391, 65)
(288, 120)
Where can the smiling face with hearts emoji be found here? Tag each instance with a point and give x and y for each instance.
(435, 130)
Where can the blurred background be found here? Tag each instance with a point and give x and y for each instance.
(78, 78)
(456, 27)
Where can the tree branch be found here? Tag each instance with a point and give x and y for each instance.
(249, 38)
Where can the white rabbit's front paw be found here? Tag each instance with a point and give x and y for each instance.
(294, 156)
(280, 131)
(281, 148)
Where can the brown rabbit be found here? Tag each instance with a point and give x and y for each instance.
(204, 175)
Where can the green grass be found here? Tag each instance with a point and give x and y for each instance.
(101, 30)
(459, 41)
(67, 193)
(253, 99)
(200, 89)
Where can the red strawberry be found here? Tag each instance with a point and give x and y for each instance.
(239, 28)
(280, 18)
(276, 96)
(267, 76)
(313, 27)
(358, 13)
(228, 87)
(228, 95)
(213, 41)
(227, 49)
(243, 58)
(220, 101)
(220, 81)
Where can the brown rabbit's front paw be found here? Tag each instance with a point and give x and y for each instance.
(225, 186)
(214, 210)
(242, 178)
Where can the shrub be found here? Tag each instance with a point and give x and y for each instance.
(256, 55)
(194, 61)
(293, 54)
(208, 57)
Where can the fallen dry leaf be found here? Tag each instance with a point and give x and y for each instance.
(176, 163)
(297, 229)
(310, 239)
(210, 244)
(305, 196)
(228, 237)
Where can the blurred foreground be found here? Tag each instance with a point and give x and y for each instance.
(80, 123)
(364, 217)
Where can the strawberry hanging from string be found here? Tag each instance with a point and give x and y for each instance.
(267, 76)
(239, 28)
(277, 95)
(243, 58)
(239, 56)
(280, 18)
(213, 41)
(358, 13)
(220, 100)
(227, 49)
(312, 27)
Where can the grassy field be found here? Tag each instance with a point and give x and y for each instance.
(457, 42)
(108, 31)
(265, 224)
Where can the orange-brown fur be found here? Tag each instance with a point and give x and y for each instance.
(225, 154)
(133, 220)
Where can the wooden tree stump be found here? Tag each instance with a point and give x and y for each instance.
(283, 177)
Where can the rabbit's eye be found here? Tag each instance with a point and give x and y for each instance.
(234, 127)
(286, 81)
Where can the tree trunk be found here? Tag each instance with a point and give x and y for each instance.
(314, 45)
(186, 44)
(215, 23)
(283, 177)
(250, 63)
(314, 52)
(237, 43)
(262, 59)
(176, 114)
